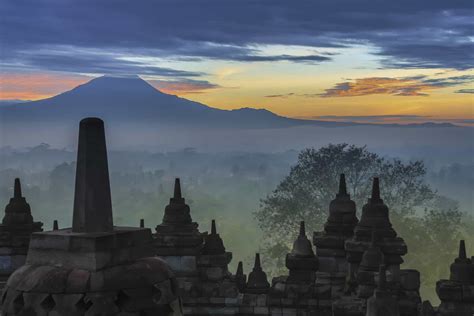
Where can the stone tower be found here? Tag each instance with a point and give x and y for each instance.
(376, 242)
(15, 231)
(456, 294)
(298, 292)
(375, 218)
(199, 260)
(338, 228)
(92, 268)
(301, 261)
(177, 238)
(257, 282)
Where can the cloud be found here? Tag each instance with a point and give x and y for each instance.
(392, 119)
(257, 58)
(404, 86)
(183, 86)
(292, 94)
(405, 34)
(465, 91)
(69, 59)
(371, 118)
(283, 96)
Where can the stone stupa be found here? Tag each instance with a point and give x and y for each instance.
(15, 231)
(93, 268)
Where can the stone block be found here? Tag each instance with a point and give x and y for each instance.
(365, 291)
(246, 310)
(6, 264)
(348, 306)
(232, 301)
(88, 251)
(221, 260)
(217, 300)
(77, 281)
(228, 289)
(408, 307)
(288, 301)
(210, 289)
(249, 299)
(259, 310)
(468, 293)
(262, 300)
(289, 311)
(410, 279)
(366, 277)
(449, 290)
(327, 264)
(323, 291)
(213, 273)
(181, 263)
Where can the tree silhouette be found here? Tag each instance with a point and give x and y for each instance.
(312, 183)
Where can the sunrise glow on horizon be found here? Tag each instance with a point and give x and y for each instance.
(360, 68)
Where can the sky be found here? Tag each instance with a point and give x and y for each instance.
(370, 61)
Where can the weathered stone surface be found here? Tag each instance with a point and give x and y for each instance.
(15, 231)
(213, 244)
(375, 217)
(112, 272)
(382, 302)
(410, 279)
(92, 200)
(257, 282)
(92, 268)
(338, 228)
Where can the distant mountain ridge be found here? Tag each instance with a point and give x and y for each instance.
(135, 100)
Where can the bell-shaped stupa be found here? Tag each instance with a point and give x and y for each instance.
(92, 268)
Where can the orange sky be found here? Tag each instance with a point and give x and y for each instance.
(36, 86)
(299, 94)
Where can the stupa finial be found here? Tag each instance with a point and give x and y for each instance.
(177, 189)
(375, 190)
(240, 269)
(213, 227)
(462, 250)
(302, 229)
(257, 265)
(342, 185)
(17, 189)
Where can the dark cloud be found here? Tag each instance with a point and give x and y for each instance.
(449, 81)
(67, 59)
(404, 86)
(465, 91)
(292, 94)
(283, 96)
(306, 58)
(409, 34)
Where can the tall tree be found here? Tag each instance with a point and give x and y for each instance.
(312, 183)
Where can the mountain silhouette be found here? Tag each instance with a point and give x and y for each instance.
(131, 99)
